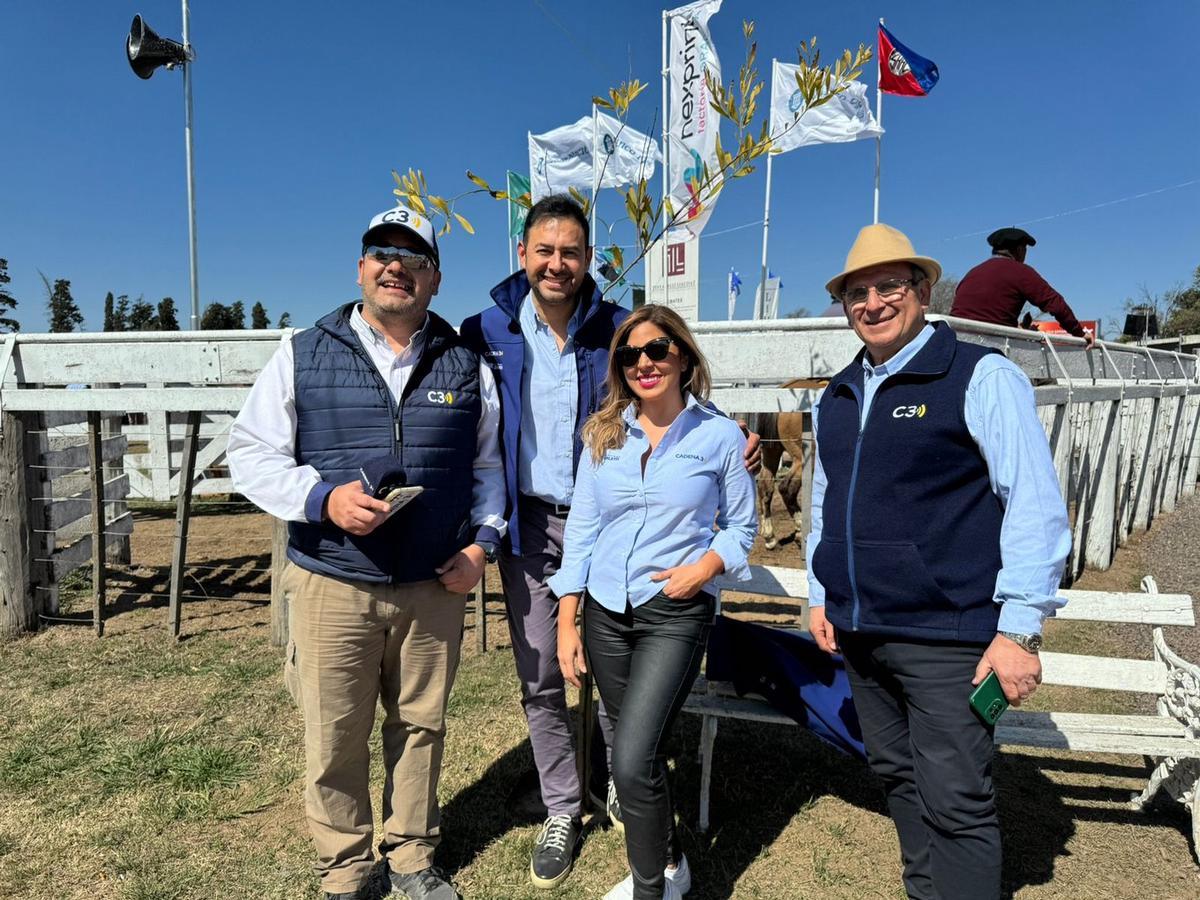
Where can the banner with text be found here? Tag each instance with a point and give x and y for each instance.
(693, 124)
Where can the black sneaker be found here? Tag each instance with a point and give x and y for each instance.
(428, 884)
(554, 851)
(347, 895)
(610, 806)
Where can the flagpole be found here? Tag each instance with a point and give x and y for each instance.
(666, 124)
(878, 121)
(595, 178)
(760, 299)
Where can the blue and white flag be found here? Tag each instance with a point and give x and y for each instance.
(562, 158)
(735, 290)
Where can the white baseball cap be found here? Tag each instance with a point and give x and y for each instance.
(409, 220)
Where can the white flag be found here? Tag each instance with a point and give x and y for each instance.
(562, 158)
(694, 125)
(846, 117)
(626, 155)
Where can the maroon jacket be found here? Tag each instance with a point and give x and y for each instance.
(994, 291)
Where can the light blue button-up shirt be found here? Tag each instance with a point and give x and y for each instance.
(624, 526)
(549, 408)
(1035, 537)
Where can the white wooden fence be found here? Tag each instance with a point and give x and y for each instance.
(1123, 423)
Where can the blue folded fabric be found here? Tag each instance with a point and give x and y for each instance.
(792, 673)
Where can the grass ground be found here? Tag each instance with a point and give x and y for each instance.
(136, 768)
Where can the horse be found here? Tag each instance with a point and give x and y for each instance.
(780, 432)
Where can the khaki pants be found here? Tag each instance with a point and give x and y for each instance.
(353, 644)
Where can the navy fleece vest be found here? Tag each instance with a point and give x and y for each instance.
(910, 534)
(345, 414)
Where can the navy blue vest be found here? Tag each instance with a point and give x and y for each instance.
(345, 414)
(910, 531)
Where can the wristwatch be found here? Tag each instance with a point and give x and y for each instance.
(489, 549)
(1030, 643)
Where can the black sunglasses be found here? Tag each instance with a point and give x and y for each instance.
(656, 350)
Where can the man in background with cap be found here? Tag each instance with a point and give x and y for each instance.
(937, 543)
(994, 291)
(377, 390)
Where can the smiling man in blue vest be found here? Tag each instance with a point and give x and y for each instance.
(937, 546)
(376, 601)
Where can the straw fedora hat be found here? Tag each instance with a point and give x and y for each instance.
(878, 244)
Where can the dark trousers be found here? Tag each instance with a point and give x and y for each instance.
(533, 626)
(935, 759)
(644, 662)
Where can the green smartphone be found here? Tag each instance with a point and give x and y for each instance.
(988, 700)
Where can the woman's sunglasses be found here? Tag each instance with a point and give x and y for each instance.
(656, 350)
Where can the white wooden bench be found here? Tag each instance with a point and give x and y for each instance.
(1172, 736)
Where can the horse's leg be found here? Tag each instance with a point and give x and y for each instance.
(765, 484)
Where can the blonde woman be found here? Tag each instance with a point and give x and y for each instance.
(641, 550)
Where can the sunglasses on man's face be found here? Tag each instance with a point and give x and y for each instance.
(656, 350)
(410, 259)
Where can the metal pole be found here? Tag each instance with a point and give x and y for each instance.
(760, 300)
(191, 177)
(666, 149)
(595, 180)
(879, 122)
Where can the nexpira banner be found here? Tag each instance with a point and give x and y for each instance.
(693, 124)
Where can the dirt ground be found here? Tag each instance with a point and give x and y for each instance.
(791, 818)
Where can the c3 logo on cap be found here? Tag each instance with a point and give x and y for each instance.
(402, 216)
(909, 412)
(441, 397)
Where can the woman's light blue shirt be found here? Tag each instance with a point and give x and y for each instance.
(624, 527)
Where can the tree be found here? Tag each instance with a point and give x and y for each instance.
(941, 298)
(7, 300)
(108, 312)
(237, 315)
(167, 317)
(1183, 309)
(285, 321)
(798, 313)
(215, 317)
(120, 314)
(141, 317)
(258, 317)
(64, 312)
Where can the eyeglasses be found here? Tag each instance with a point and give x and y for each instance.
(890, 289)
(410, 259)
(656, 350)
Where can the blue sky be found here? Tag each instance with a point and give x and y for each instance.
(303, 109)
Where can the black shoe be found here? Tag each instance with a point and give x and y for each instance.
(610, 806)
(554, 851)
(347, 895)
(428, 884)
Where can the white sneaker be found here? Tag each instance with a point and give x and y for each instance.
(624, 890)
(681, 876)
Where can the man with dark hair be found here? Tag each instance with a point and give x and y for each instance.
(547, 340)
(994, 291)
(938, 537)
(377, 394)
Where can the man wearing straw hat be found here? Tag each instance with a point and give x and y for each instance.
(937, 546)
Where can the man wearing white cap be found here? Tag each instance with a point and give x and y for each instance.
(938, 536)
(381, 387)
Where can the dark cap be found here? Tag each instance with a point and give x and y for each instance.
(380, 474)
(1010, 237)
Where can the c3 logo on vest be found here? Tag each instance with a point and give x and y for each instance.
(909, 412)
(441, 397)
